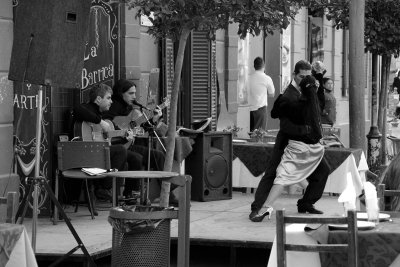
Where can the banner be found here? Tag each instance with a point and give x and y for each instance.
(25, 111)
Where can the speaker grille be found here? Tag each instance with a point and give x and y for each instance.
(210, 165)
(49, 42)
(217, 170)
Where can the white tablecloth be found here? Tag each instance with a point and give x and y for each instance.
(295, 235)
(242, 177)
(22, 255)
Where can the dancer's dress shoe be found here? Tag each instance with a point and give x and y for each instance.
(309, 209)
(258, 217)
(253, 214)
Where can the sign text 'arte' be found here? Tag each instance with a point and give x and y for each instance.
(25, 101)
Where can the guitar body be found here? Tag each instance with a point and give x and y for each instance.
(89, 131)
(135, 118)
(127, 122)
(93, 132)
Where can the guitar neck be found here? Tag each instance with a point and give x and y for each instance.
(149, 115)
(142, 119)
(116, 133)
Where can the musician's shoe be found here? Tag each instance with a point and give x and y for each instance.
(95, 213)
(309, 209)
(173, 201)
(103, 194)
(130, 200)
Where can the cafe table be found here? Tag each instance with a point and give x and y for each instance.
(250, 160)
(379, 246)
(15, 247)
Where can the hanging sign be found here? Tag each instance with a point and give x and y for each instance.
(99, 64)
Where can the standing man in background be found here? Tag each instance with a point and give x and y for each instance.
(260, 86)
(328, 115)
(396, 82)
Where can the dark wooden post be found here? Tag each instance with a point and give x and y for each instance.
(374, 136)
(357, 76)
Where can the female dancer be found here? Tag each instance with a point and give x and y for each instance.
(301, 156)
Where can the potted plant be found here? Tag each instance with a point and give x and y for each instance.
(258, 135)
(233, 129)
(395, 121)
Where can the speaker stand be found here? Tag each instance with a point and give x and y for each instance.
(37, 182)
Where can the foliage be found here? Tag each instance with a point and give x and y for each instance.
(258, 133)
(382, 22)
(169, 17)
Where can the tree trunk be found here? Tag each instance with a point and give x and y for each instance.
(382, 112)
(170, 144)
(356, 77)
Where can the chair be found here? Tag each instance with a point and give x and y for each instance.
(382, 193)
(395, 144)
(350, 248)
(74, 155)
(9, 205)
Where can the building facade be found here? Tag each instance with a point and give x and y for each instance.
(214, 77)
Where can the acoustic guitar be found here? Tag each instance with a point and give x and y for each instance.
(93, 132)
(134, 119)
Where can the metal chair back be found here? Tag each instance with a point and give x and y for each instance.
(8, 207)
(382, 193)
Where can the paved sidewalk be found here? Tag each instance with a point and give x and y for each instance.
(222, 224)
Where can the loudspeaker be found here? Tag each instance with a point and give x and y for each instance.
(210, 165)
(49, 42)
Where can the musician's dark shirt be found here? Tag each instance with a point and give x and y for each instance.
(89, 112)
(120, 108)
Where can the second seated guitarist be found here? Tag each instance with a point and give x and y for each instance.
(93, 112)
(124, 92)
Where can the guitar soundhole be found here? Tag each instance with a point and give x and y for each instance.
(132, 124)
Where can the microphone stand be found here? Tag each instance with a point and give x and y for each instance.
(145, 200)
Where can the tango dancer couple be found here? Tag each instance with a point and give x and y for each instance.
(297, 155)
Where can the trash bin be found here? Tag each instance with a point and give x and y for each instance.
(140, 236)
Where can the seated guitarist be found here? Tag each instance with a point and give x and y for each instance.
(99, 102)
(124, 92)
